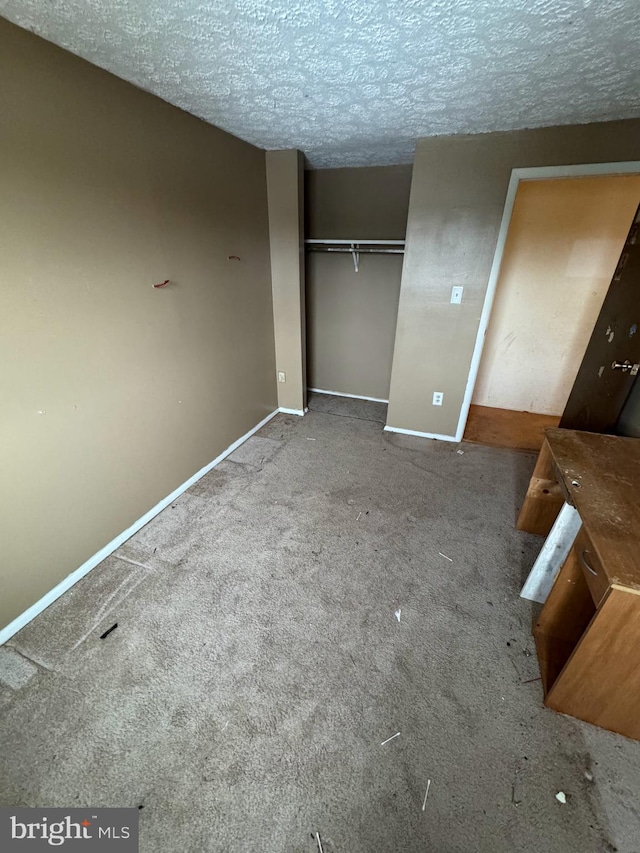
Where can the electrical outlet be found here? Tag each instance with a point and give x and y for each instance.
(456, 295)
(437, 398)
(282, 376)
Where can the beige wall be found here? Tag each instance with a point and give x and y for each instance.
(351, 317)
(114, 393)
(352, 322)
(285, 185)
(564, 242)
(368, 203)
(457, 197)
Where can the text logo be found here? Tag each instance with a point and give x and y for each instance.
(69, 829)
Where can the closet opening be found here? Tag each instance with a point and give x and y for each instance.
(355, 225)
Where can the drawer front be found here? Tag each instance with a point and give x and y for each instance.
(596, 578)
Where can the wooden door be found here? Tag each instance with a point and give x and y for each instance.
(612, 358)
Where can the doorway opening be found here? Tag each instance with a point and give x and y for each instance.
(562, 235)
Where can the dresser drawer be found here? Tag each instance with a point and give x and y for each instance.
(596, 578)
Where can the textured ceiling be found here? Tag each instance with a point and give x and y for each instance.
(356, 82)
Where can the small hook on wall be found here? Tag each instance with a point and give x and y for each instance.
(163, 283)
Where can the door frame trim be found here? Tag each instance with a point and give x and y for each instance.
(534, 173)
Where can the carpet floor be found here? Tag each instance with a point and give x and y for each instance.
(327, 586)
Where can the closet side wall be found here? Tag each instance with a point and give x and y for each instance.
(351, 317)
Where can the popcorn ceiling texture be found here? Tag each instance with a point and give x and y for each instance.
(354, 83)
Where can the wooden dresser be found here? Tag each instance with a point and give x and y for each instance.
(588, 633)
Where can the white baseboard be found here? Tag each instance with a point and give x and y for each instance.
(351, 396)
(291, 411)
(29, 614)
(435, 435)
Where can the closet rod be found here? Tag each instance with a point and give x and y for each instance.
(355, 248)
(358, 249)
(317, 242)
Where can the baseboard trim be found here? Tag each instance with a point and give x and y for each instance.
(434, 435)
(351, 396)
(298, 412)
(30, 613)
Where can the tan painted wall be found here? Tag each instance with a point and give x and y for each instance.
(352, 322)
(368, 203)
(457, 197)
(564, 242)
(351, 317)
(107, 190)
(285, 185)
